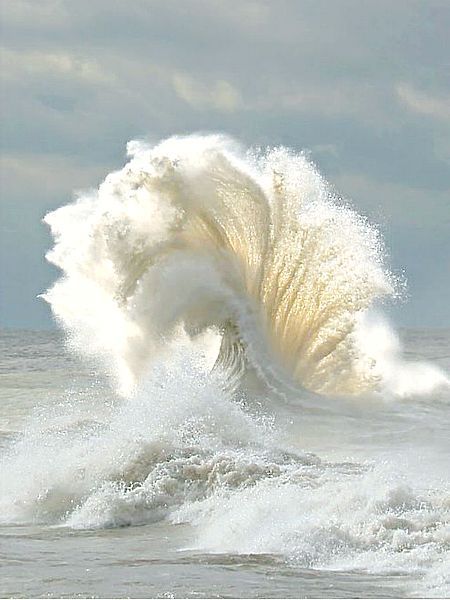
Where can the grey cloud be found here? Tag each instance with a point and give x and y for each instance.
(363, 84)
(424, 103)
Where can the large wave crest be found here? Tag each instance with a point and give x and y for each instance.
(195, 234)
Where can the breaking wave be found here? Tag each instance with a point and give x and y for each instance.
(194, 273)
(195, 234)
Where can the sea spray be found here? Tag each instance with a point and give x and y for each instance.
(195, 232)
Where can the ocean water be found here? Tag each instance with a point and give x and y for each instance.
(224, 410)
(346, 499)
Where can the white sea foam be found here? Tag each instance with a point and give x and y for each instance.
(184, 449)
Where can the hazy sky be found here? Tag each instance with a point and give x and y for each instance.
(363, 84)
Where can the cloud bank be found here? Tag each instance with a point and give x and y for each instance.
(362, 85)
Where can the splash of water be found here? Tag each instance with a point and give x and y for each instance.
(195, 233)
(193, 266)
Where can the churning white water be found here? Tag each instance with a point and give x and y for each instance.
(262, 402)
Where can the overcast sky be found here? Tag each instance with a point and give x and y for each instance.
(364, 85)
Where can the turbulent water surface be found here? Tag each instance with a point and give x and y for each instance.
(225, 411)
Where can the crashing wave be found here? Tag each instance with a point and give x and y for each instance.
(194, 234)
